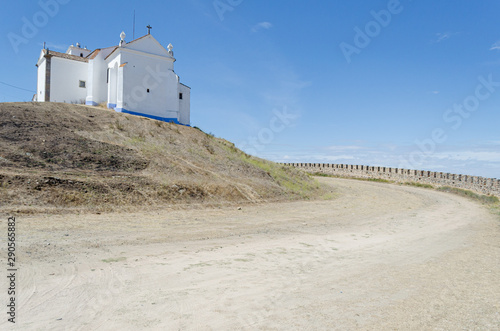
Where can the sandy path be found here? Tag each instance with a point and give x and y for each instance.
(377, 257)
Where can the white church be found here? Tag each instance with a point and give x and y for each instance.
(136, 78)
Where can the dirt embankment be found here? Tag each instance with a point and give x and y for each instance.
(70, 158)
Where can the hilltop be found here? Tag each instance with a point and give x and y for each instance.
(57, 157)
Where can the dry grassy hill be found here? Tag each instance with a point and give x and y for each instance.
(58, 157)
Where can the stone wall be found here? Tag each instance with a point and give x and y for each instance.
(490, 186)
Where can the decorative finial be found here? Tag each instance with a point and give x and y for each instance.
(149, 28)
(122, 37)
(170, 47)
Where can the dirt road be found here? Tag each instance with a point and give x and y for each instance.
(376, 257)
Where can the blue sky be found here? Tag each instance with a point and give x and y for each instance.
(412, 84)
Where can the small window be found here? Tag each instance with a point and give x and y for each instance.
(82, 84)
(180, 96)
(148, 90)
(107, 76)
(81, 54)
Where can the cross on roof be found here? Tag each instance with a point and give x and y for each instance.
(149, 28)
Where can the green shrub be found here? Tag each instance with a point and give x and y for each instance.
(285, 176)
(416, 184)
(379, 180)
(487, 199)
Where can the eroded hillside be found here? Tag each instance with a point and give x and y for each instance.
(60, 157)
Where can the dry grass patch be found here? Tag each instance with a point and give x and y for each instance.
(72, 157)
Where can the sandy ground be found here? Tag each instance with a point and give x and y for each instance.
(377, 257)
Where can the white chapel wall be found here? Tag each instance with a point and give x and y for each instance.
(154, 73)
(184, 104)
(65, 76)
(112, 85)
(40, 84)
(146, 45)
(97, 87)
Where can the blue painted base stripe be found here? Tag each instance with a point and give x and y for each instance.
(112, 105)
(91, 103)
(164, 119)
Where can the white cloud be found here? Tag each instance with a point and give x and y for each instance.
(319, 158)
(59, 47)
(343, 148)
(442, 37)
(495, 46)
(477, 160)
(261, 26)
(484, 156)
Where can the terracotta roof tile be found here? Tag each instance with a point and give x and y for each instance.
(138, 39)
(126, 44)
(111, 53)
(65, 56)
(93, 55)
